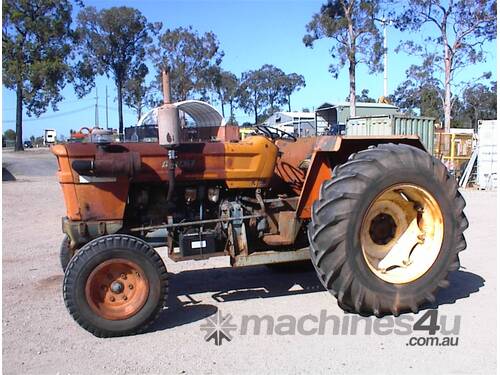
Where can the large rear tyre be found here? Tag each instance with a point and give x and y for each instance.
(386, 230)
(115, 285)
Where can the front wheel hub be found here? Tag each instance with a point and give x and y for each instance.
(117, 289)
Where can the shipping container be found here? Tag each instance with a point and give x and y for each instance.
(487, 159)
(394, 124)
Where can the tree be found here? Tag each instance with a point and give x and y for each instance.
(460, 30)
(292, 82)
(114, 42)
(419, 91)
(479, 102)
(251, 96)
(273, 81)
(351, 26)
(136, 93)
(36, 47)
(9, 135)
(225, 85)
(188, 56)
(364, 97)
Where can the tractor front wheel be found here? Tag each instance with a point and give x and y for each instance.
(387, 229)
(115, 285)
(65, 252)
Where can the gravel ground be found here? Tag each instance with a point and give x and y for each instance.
(39, 336)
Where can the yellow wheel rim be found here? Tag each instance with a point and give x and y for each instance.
(402, 233)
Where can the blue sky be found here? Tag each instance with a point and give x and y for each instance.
(251, 33)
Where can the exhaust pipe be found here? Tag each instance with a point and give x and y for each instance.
(169, 130)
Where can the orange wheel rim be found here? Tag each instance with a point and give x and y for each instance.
(117, 289)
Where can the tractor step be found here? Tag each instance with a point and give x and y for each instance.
(271, 257)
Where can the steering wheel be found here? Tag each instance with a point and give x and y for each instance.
(274, 133)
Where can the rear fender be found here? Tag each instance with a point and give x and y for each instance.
(332, 151)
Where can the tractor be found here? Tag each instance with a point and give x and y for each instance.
(380, 219)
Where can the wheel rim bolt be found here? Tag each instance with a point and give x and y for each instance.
(112, 299)
(123, 276)
(130, 286)
(124, 298)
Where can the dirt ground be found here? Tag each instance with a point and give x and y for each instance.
(39, 336)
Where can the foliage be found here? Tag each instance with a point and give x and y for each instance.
(36, 48)
(225, 84)
(136, 93)
(460, 30)
(420, 91)
(350, 24)
(292, 82)
(263, 91)
(478, 102)
(9, 135)
(114, 42)
(364, 97)
(189, 57)
(251, 96)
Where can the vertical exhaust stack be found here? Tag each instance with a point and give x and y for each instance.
(169, 129)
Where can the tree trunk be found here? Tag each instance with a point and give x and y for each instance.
(231, 111)
(19, 118)
(447, 90)
(352, 89)
(255, 107)
(352, 67)
(119, 85)
(289, 105)
(221, 104)
(139, 113)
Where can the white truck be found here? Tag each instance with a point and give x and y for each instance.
(49, 137)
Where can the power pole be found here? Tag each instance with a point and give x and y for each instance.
(106, 107)
(385, 23)
(385, 60)
(96, 108)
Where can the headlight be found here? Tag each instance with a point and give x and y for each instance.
(213, 194)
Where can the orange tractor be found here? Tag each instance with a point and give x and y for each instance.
(380, 219)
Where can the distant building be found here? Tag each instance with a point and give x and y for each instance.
(301, 124)
(335, 115)
(329, 118)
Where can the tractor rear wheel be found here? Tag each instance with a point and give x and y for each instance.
(115, 285)
(387, 229)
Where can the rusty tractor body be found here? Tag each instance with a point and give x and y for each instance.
(380, 219)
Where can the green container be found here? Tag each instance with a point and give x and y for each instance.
(395, 124)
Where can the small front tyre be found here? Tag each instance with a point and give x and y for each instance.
(65, 252)
(115, 285)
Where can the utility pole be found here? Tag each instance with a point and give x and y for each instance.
(96, 108)
(106, 107)
(385, 60)
(385, 23)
